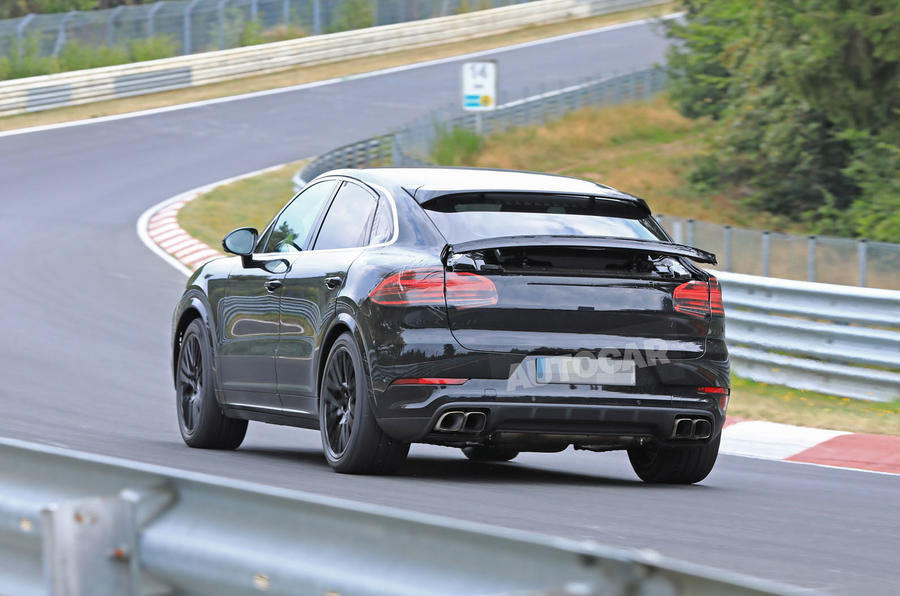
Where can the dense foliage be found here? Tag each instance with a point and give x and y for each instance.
(805, 100)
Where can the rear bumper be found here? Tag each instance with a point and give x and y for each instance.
(556, 417)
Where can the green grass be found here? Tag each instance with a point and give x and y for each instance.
(249, 202)
(776, 403)
(644, 148)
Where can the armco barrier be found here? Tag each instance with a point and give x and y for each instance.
(74, 524)
(841, 340)
(78, 87)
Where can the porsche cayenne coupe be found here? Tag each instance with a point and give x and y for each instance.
(493, 311)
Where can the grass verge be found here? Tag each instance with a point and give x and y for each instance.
(255, 201)
(252, 201)
(643, 148)
(320, 72)
(777, 403)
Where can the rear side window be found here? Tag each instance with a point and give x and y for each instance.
(470, 216)
(349, 218)
(383, 224)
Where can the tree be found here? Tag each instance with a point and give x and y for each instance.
(806, 94)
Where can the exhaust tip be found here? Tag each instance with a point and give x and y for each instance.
(475, 422)
(683, 428)
(702, 429)
(450, 422)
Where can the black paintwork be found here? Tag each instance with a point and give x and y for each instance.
(270, 342)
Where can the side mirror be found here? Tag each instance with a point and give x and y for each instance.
(241, 242)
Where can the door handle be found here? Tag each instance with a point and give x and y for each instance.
(333, 282)
(273, 284)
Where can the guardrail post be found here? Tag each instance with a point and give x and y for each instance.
(678, 231)
(61, 36)
(317, 17)
(151, 17)
(220, 8)
(111, 22)
(811, 259)
(766, 252)
(726, 242)
(20, 31)
(254, 9)
(188, 9)
(862, 249)
(690, 232)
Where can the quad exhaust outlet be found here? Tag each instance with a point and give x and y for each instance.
(692, 428)
(456, 421)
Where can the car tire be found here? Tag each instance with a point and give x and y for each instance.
(674, 465)
(351, 438)
(200, 419)
(489, 453)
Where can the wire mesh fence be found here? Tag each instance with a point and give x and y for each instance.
(191, 26)
(755, 252)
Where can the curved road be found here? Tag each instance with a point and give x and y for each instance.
(85, 322)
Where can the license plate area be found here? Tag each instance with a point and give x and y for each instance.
(584, 370)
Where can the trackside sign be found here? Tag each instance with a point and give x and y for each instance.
(479, 86)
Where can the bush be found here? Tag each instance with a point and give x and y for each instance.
(352, 14)
(152, 48)
(455, 147)
(77, 55)
(28, 62)
(805, 98)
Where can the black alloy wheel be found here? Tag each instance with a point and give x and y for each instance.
(200, 419)
(351, 438)
(339, 396)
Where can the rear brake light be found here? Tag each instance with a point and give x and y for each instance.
(427, 287)
(715, 298)
(718, 390)
(699, 298)
(429, 381)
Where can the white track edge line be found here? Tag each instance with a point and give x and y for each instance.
(186, 196)
(332, 81)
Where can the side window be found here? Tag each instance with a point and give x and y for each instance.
(383, 224)
(348, 220)
(290, 232)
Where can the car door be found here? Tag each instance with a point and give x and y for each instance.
(250, 312)
(310, 288)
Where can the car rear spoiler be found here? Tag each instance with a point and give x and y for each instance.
(653, 246)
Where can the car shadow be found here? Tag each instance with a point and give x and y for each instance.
(428, 468)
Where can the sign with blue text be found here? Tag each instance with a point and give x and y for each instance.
(479, 86)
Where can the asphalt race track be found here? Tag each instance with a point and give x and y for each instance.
(85, 331)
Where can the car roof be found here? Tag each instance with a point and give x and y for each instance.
(426, 183)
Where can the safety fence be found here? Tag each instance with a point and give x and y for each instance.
(73, 524)
(124, 80)
(835, 339)
(202, 25)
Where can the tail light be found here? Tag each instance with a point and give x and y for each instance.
(429, 381)
(420, 287)
(699, 298)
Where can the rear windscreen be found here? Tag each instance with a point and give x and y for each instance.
(471, 216)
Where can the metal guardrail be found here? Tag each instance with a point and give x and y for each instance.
(74, 524)
(98, 84)
(840, 340)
